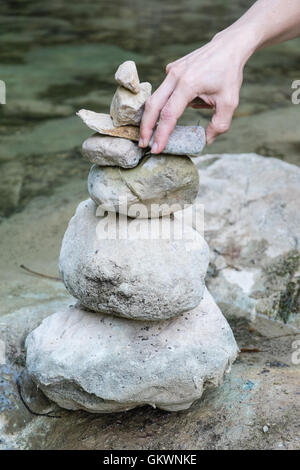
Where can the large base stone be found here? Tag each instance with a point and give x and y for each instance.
(128, 274)
(102, 364)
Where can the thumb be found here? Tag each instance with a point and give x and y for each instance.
(221, 121)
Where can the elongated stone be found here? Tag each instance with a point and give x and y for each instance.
(111, 151)
(133, 268)
(185, 140)
(127, 108)
(127, 76)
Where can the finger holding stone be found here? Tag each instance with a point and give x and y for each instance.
(169, 115)
(153, 107)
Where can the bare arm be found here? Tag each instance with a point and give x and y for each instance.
(214, 73)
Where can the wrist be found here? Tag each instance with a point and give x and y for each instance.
(242, 39)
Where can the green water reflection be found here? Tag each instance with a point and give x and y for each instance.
(58, 56)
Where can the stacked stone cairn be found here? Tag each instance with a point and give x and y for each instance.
(145, 329)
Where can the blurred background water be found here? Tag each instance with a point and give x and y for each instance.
(57, 57)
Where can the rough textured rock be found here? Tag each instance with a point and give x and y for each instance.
(163, 184)
(101, 364)
(185, 140)
(252, 225)
(134, 276)
(127, 76)
(111, 151)
(103, 124)
(127, 108)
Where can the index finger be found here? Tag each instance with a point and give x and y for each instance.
(153, 107)
(172, 111)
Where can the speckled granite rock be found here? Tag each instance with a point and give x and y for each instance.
(127, 108)
(127, 76)
(111, 151)
(129, 274)
(102, 364)
(185, 140)
(163, 184)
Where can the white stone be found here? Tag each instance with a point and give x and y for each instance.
(252, 225)
(127, 108)
(102, 364)
(127, 76)
(111, 151)
(133, 276)
(163, 184)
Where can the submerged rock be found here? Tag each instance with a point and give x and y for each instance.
(127, 108)
(130, 269)
(163, 184)
(111, 151)
(101, 364)
(127, 76)
(185, 140)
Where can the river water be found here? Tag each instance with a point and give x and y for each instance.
(57, 57)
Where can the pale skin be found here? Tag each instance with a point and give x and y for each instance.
(212, 76)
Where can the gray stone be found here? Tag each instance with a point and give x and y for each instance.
(252, 225)
(127, 108)
(185, 140)
(111, 151)
(127, 76)
(127, 273)
(163, 184)
(101, 364)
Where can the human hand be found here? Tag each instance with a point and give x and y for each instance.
(210, 77)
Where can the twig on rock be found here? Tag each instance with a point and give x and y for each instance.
(35, 413)
(46, 276)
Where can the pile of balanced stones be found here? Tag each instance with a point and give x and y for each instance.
(144, 330)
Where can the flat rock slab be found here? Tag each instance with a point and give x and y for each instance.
(120, 270)
(160, 185)
(185, 140)
(127, 76)
(111, 151)
(103, 124)
(127, 108)
(100, 364)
